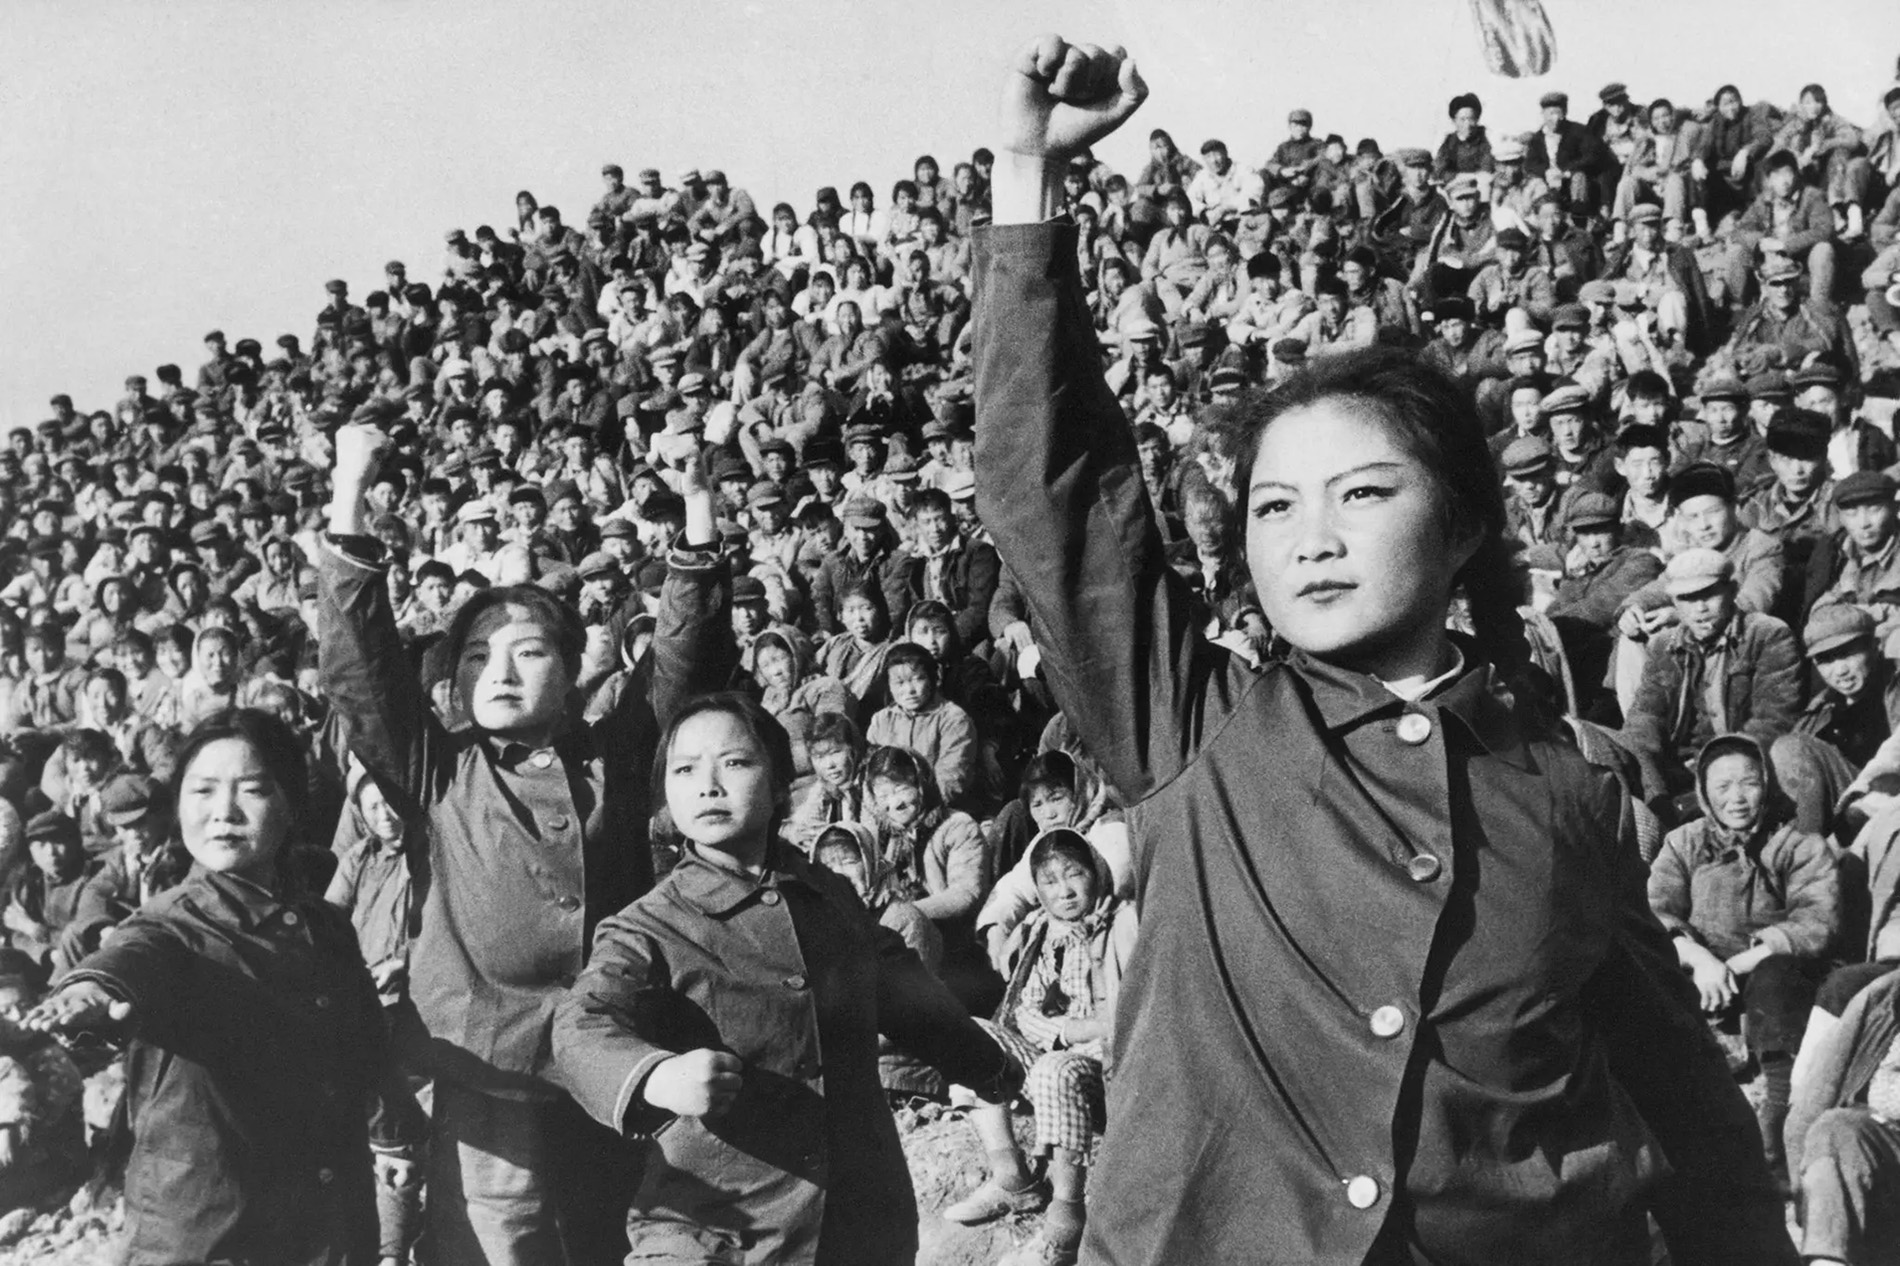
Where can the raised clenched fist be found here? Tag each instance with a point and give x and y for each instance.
(1060, 97)
(700, 1083)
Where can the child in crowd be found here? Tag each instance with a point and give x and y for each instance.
(966, 679)
(1754, 905)
(256, 1043)
(791, 692)
(709, 1003)
(855, 654)
(373, 884)
(919, 718)
(1065, 966)
(835, 793)
(42, 1117)
(45, 895)
(936, 855)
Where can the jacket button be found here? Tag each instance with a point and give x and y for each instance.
(1424, 868)
(1388, 1022)
(569, 903)
(541, 760)
(558, 822)
(326, 1176)
(1414, 728)
(290, 918)
(321, 1002)
(1362, 1192)
(794, 982)
(770, 896)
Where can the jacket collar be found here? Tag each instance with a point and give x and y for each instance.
(1474, 698)
(720, 889)
(246, 904)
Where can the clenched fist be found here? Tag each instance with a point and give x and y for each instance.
(1062, 97)
(359, 451)
(699, 1083)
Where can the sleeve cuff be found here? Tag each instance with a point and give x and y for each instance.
(365, 552)
(1775, 941)
(646, 1117)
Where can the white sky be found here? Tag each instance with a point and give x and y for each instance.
(167, 168)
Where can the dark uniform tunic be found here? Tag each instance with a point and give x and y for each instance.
(257, 1064)
(1399, 995)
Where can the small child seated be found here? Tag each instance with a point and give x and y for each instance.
(792, 692)
(1754, 904)
(1066, 963)
(855, 654)
(834, 793)
(45, 896)
(42, 1113)
(921, 719)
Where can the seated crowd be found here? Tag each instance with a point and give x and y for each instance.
(733, 450)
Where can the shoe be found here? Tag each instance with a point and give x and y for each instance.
(992, 1200)
(1040, 1251)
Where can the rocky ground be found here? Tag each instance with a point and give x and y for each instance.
(945, 1164)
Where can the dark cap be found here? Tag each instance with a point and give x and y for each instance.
(1723, 386)
(1865, 487)
(1798, 433)
(1590, 510)
(618, 527)
(1301, 115)
(1701, 479)
(1531, 455)
(1570, 316)
(598, 565)
(52, 825)
(336, 286)
(1559, 99)
(130, 799)
(863, 512)
(1770, 385)
(748, 589)
(1613, 92)
(1832, 627)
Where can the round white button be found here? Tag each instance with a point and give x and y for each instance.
(1387, 1022)
(769, 897)
(1414, 728)
(1423, 868)
(1362, 1192)
(542, 760)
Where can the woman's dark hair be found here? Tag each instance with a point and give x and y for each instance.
(1062, 844)
(1048, 771)
(872, 594)
(906, 768)
(559, 618)
(903, 187)
(861, 187)
(275, 743)
(748, 712)
(835, 729)
(1435, 419)
(911, 655)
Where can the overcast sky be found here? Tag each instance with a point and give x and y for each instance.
(167, 168)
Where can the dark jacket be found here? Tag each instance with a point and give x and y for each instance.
(969, 583)
(1687, 276)
(1577, 150)
(527, 851)
(790, 973)
(886, 571)
(257, 1044)
(1844, 1060)
(1300, 868)
(1594, 600)
(1761, 697)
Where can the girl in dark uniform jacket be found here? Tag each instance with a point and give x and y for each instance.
(257, 1076)
(732, 1014)
(1399, 996)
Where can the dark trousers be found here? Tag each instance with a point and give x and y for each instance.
(1850, 1189)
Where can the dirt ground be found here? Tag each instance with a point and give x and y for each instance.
(945, 1164)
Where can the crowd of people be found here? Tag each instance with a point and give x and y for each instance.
(497, 707)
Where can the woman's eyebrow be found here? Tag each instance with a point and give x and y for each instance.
(1360, 469)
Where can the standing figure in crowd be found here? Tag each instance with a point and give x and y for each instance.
(536, 831)
(1399, 995)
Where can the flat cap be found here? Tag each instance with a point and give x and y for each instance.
(1865, 487)
(1507, 150)
(691, 384)
(1561, 100)
(52, 825)
(863, 512)
(130, 799)
(1300, 115)
(1598, 291)
(598, 565)
(1830, 628)
(1798, 433)
(1463, 184)
(1779, 268)
(1612, 92)
(1412, 156)
(1696, 570)
(1524, 341)
(1513, 238)
(1819, 374)
(1569, 398)
(476, 512)
(619, 527)
(959, 485)
(1570, 316)
(764, 493)
(1529, 455)
(1645, 213)
(1723, 387)
(336, 286)
(1590, 510)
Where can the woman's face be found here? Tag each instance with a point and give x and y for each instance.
(511, 676)
(1066, 888)
(834, 764)
(718, 782)
(1463, 121)
(383, 820)
(1051, 807)
(858, 616)
(1346, 540)
(775, 668)
(1735, 789)
(900, 802)
(231, 812)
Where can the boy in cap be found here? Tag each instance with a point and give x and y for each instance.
(868, 557)
(44, 897)
(1600, 572)
(137, 812)
(1567, 156)
(1717, 670)
(1513, 291)
(1848, 720)
(1729, 440)
(1866, 562)
(1294, 158)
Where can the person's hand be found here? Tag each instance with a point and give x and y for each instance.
(1630, 625)
(700, 1083)
(1661, 618)
(359, 451)
(397, 1173)
(1738, 168)
(76, 1007)
(996, 941)
(1016, 638)
(388, 973)
(1699, 169)
(9, 1146)
(1748, 960)
(1714, 983)
(1060, 97)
